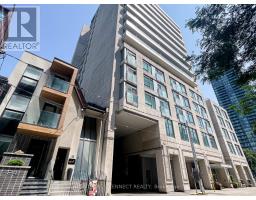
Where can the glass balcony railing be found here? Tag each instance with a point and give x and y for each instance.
(57, 84)
(132, 98)
(44, 118)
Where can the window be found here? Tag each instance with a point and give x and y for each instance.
(33, 72)
(18, 103)
(221, 121)
(183, 132)
(161, 90)
(186, 102)
(208, 126)
(213, 142)
(224, 114)
(194, 136)
(131, 95)
(131, 75)
(169, 128)
(177, 99)
(229, 125)
(12, 114)
(193, 95)
(177, 86)
(217, 110)
(205, 139)
(26, 87)
(203, 112)
(148, 82)
(200, 122)
(190, 118)
(225, 133)
(238, 150)
(164, 108)
(234, 138)
(180, 115)
(231, 148)
(147, 67)
(159, 75)
(130, 57)
(196, 107)
(183, 89)
(150, 100)
(199, 99)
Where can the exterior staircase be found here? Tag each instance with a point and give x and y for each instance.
(34, 186)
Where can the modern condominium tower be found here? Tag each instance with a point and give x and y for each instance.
(229, 93)
(131, 60)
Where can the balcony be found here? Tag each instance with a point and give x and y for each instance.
(41, 118)
(132, 98)
(57, 84)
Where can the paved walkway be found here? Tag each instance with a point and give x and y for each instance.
(249, 191)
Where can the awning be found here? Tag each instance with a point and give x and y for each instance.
(220, 165)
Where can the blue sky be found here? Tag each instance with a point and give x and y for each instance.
(60, 26)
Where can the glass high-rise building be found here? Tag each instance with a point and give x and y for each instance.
(229, 93)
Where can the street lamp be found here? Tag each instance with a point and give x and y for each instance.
(196, 172)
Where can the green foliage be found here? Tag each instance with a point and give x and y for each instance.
(247, 104)
(15, 162)
(251, 158)
(228, 41)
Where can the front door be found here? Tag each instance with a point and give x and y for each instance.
(39, 148)
(60, 164)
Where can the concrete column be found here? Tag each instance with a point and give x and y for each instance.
(107, 159)
(242, 174)
(223, 177)
(249, 175)
(177, 175)
(163, 172)
(234, 173)
(184, 172)
(206, 173)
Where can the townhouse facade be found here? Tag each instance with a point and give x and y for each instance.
(45, 114)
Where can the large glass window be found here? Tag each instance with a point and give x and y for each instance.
(229, 125)
(169, 128)
(147, 67)
(178, 86)
(193, 95)
(26, 86)
(221, 121)
(183, 132)
(234, 138)
(190, 118)
(12, 114)
(186, 102)
(231, 148)
(131, 95)
(131, 75)
(161, 90)
(150, 100)
(203, 112)
(200, 122)
(148, 82)
(180, 115)
(194, 136)
(205, 139)
(225, 133)
(85, 161)
(213, 141)
(196, 107)
(238, 150)
(177, 99)
(164, 108)
(159, 75)
(217, 109)
(18, 103)
(130, 57)
(33, 72)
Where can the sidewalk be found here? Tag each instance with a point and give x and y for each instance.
(249, 191)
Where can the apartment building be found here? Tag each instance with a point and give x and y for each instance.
(131, 60)
(45, 114)
(228, 93)
(230, 146)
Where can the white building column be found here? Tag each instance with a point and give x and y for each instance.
(205, 173)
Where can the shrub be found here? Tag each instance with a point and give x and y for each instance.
(15, 162)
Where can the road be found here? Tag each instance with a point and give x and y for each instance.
(249, 191)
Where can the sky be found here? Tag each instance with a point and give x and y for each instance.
(60, 26)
